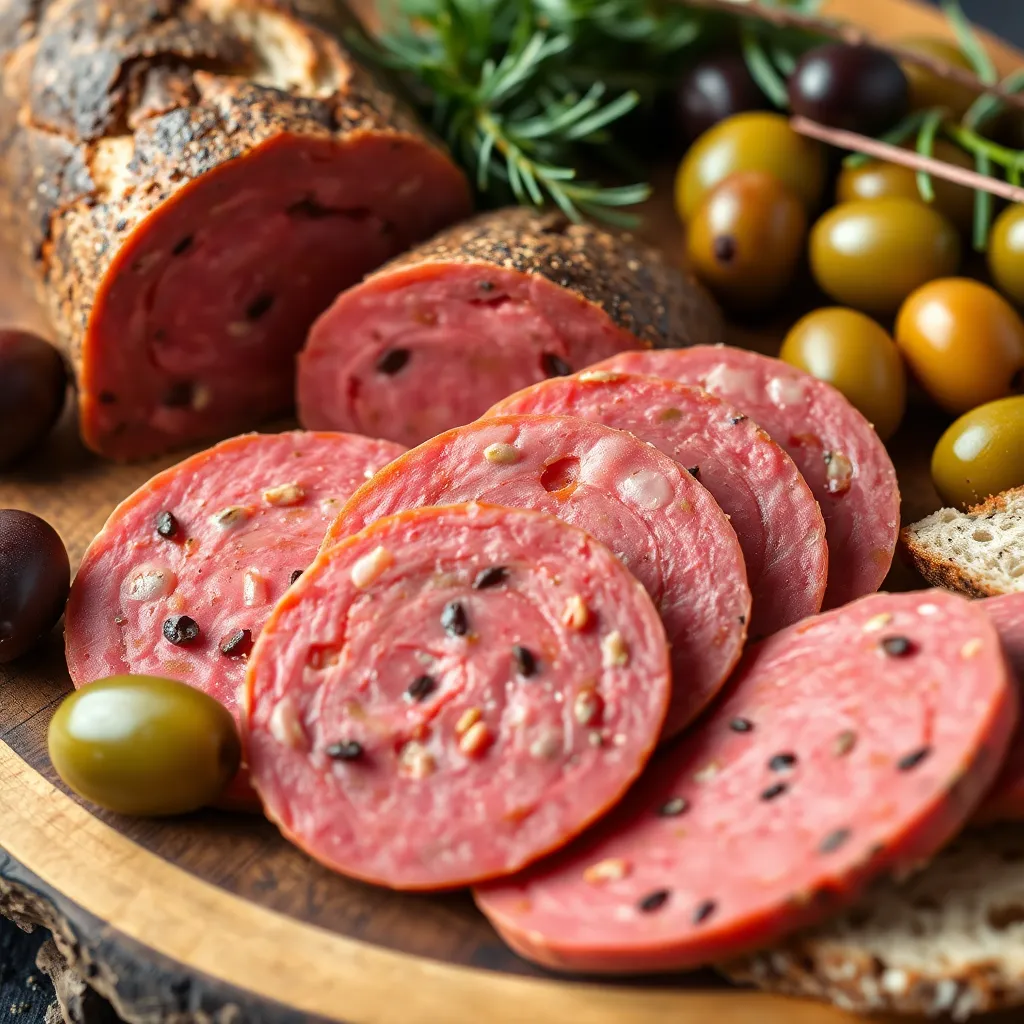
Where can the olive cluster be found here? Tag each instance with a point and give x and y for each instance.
(753, 194)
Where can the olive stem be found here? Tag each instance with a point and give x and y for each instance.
(907, 158)
(979, 145)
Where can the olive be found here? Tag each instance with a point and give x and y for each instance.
(714, 88)
(928, 89)
(981, 454)
(754, 141)
(963, 341)
(856, 88)
(33, 383)
(746, 239)
(878, 180)
(871, 254)
(1006, 253)
(857, 357)
(35, 576)
(144, 745)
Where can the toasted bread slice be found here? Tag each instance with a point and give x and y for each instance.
(979, 553)
(948, 941)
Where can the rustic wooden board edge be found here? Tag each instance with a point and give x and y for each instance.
(217, 957)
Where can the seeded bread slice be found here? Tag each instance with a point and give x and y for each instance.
(950, 941)
(979, 553)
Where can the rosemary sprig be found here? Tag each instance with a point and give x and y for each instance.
(930, 124)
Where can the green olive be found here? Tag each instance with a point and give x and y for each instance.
(753, 141)
(930, 90)
(746, 239)
(145, 746)
(1006, 253)
(982, 453)
(855, 356)
(871, 254)
(878, 180)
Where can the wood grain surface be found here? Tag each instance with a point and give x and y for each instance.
(215, 917)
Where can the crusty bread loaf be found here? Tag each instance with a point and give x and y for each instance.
(979, 553)
(949, 941)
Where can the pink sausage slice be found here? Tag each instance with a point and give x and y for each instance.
(664, 526)
(847, 747)
(1005, 801)
(185, 572)
(756, 483)
(453, 693)
(833, 445)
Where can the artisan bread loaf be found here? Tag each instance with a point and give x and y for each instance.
(979, 553)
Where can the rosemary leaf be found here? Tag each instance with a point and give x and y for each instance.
(926, 147)
(982, 205)
(971, 45)
(761, 68)
(909, 126)
(988, 104)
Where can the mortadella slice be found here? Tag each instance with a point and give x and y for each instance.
(771, 508)
(509, 298)
(664, 526)
(846, 748)
(180, 580)
(452, 693)
(1005, 801)
(833, 445)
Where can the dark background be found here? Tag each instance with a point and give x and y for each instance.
(24, 991)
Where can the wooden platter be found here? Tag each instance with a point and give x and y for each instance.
(216, 918)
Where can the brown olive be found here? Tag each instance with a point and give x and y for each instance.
(35, 576)
(982, 453)
(857, 357)
(33, 383)
(144, 745)
(753, 141)
(879, 180)
(1006, 253)
(714, 88)
(963, 341)
(930, 90)
(871, 254)
(746, 239)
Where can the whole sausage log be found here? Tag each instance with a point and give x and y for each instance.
(190, 183)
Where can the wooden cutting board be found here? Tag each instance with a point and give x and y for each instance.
(216, 918)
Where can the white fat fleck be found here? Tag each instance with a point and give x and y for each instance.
(329, 506)
(599, 376)
(877, 622)
(838, 473)
(501, 454)
(368, 569)
(202, 395)
(707, 773)
(149, 584)
(576, 614)
(229, 517)
(895, 982)
(612, 869)
(254, 588)
(239, 328)
(475, 740)
(467, 720)
(284, 494)
(518, 715)
(369, 473)
(285, 726)
(547, 746)
(972, 648)
(587, 706)
(725, 380)
(646, 488)
(415, 761)
(242, 697)
(928, 609)
(614, 651)
(783, 391)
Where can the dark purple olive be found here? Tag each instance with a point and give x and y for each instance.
(713, 89)
(857, 88)
(33, 383)
(34, 580)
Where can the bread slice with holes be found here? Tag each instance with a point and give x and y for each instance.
(979, 553)
(950, 941)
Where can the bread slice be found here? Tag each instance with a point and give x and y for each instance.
(979, 553)
(950, 941)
